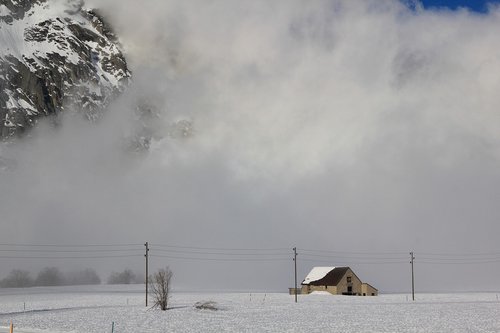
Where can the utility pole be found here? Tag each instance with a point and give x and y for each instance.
(295, 262)
(147, 274)
(412, 257)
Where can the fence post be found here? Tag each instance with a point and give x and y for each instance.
(112, 327)
(11, 329)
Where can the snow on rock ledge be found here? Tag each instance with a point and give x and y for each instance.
(54, 54)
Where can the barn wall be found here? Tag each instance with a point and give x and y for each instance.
(309, 289)
(358, 288)
(368, 290)
(343, 285)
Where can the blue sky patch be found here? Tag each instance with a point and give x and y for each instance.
(480, 6)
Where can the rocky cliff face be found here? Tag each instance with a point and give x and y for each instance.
(55, 55)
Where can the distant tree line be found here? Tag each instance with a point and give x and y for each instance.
(125, 277)
(52, 276)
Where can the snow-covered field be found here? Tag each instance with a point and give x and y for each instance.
(93, 309)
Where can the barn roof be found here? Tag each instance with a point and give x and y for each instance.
(325, 276)
(317, 273)
(370, 285)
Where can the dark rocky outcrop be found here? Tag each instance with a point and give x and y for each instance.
(52, 58)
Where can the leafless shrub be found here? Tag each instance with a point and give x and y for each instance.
(160, 284)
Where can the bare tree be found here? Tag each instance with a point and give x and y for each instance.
(49, 276)
(17, 279)
(160, 284)
(125, 277)
(83, 277)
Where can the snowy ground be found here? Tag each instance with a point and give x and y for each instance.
(93, 309)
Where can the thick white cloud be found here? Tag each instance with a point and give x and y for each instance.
(342, 125)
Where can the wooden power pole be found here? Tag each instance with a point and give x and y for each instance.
(295, 262)
(147, 274)
(412, 259)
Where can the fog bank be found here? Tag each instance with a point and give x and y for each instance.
(363, 127)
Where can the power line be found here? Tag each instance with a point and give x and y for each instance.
(353, 253)
(122, 250)
(67, 251)
(355, 263)
(70, 257)
(476, 262)
(460, 259)
(218, 248)
(461, 254)
(221, 259)
(350, 257)
(68, 245)
(219, 253)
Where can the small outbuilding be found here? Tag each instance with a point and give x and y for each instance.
(336, 281)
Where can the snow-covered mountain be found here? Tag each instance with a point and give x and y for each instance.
(55, 54)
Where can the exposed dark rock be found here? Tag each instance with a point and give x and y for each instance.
(71, 57)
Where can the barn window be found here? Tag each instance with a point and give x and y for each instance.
(349, 280)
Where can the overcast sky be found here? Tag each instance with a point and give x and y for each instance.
(361, 127)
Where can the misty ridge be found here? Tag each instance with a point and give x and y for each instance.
(366, 126)
(53, 276)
